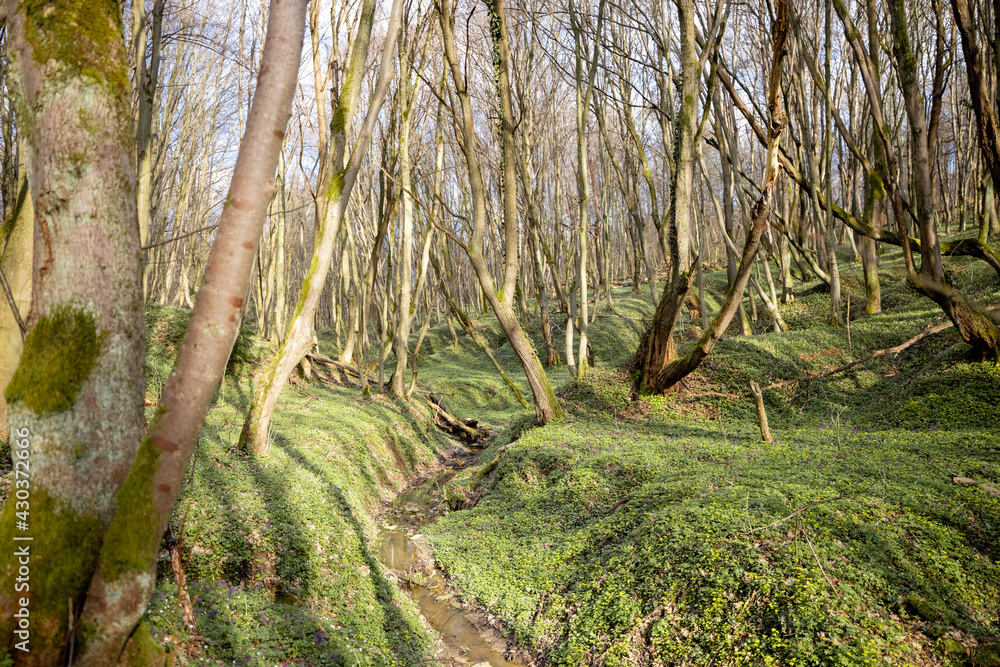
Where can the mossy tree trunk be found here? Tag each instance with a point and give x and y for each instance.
(269, 382)
(658, 348)
(126, 573)
(76, 396)
(674, 372)
(501, 301)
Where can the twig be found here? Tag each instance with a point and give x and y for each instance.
(181, 236)
(874, 355)
(13, 305)
(434, 393)
(805, 507)
(805, 534)
(311, 397)
(431, 217)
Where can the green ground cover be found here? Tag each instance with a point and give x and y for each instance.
(654, 531)
(280, 553)
(638, 530)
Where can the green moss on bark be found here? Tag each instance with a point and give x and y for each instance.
(142, 650)
(334, 186)
(63, 554)
(59, 355)
(84, 37)
(132, 537)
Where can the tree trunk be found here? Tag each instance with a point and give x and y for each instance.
(546, 405)
(836, 308)
(976, 329)
(658, 348)
(674, 372)
(123, 581)
(989, 141)
(583, 94)
(75, 399)
(405, 93)
(144, 125)
(16, 266)
(272, 378)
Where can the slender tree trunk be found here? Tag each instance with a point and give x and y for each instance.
(147, 94)
(989, 136)
(836, 308)
(583, 93)
(16, 266)
(682, 367)
(546, 405)
(280, 287)
(406, 92)
(271, 380)
(658, 348)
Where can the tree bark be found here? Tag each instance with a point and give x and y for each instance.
(144, 124)
(976, 328)
(76, 396)
(271, 380)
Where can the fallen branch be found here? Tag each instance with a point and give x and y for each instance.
(797, 514)
(466, 429)
(327, 361)
(805, 534)
(896, 349)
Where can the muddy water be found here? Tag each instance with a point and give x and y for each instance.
(411, 560)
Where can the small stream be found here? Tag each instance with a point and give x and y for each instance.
(410, 559)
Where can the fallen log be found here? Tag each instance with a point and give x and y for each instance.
(467, 430)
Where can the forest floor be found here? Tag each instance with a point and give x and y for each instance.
(637, 530)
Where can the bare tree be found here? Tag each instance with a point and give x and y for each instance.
(299, 340)
(501, 301)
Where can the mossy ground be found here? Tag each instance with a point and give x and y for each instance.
(652, 531)
(637, 530)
